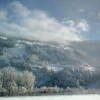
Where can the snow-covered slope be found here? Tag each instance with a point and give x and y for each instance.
(39, 56)
(55, 55)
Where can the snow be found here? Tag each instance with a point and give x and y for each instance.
(62, 97)
(54, 68)
(87, 67)
(19, 41)
(68, 48)
(31, 43)
(3, 38)
(27, 42)
(62, 47)
(22, 41)
(39, 43)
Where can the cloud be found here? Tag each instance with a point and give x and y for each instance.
(83, 25)
(3, 15)
(19, 9)
(81, 10)
(67, 22)
(38, 24)
(78, 25)
(99, 15)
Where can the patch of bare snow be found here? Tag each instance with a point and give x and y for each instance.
(87, 67)
(5, 38)
(53, 68)
(57, 97)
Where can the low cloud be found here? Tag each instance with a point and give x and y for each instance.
(38, 24)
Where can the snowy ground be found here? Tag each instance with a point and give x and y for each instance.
(68, 97)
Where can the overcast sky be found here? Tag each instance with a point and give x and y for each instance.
(49, 20)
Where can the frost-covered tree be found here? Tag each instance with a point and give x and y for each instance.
(13, 81)
(54, 89)
(0, 79)
(26, 79)
(9, 79)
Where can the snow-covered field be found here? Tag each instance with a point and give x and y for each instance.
(68, 97)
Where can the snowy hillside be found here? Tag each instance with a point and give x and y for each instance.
(71, 64)
(54, 56)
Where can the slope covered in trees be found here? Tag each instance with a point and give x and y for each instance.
(47, 67)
